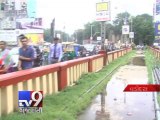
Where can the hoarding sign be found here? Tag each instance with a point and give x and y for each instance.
(7, 24)
(157, 1)
(131, 35)
(99, 38)
(157, 29)
(9, 36)
(29, 23)
(125, 29)
(103, 10)
(35, 38)
(156, 11)
(58, 35)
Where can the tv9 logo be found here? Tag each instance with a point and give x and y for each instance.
(30, 99)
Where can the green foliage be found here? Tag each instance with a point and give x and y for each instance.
(64, 36)
(158, 97)
(79, 36)
(143, 28)
(48, 37)
(119, 22)
(67, 104)
(150, 62)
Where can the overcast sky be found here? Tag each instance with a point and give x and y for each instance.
(73, 14)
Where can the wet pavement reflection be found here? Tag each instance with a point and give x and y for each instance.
(114, 104)
(102, 114)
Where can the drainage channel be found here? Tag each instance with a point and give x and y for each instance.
(114, 104)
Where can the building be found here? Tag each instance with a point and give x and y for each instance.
(17, 17)
(11, 10)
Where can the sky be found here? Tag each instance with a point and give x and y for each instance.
(73, 14)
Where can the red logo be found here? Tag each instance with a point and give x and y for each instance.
(142, 88)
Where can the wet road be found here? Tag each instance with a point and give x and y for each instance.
(114, 104)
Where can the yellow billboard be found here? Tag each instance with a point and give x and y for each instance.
(35, 38)
(103, 6)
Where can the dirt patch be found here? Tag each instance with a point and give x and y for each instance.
(138, 61)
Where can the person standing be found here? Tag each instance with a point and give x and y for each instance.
(5, 57)
(56, 51)
(26, 54)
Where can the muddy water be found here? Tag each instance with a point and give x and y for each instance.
(114, 104)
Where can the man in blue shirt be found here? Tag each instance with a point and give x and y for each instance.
(56, 51)
(26, 54)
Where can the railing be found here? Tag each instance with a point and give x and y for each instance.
(116, 54)
(43, 78)
(155, 52)
(50, 78)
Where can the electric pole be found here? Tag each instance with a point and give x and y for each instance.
(103, 34)
(53, 28)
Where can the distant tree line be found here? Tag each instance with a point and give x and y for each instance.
(142, 26)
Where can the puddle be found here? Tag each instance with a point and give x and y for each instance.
(114, 104)
(139, 61)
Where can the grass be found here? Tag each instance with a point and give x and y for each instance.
(67, 104)
(151, 61)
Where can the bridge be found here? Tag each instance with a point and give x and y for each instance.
(53, 79)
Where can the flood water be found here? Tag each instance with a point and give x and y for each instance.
(114, 104)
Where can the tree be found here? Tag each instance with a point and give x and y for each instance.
(64, 36)
(96, 29)
(47, 35)
(119, 22)
(143, 28)
(109, 30)
(79, 36)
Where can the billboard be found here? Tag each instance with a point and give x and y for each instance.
(35, 38)
(131, 35)
(125, 29)
(7, 24)
(103, 10)
(157, 29)
(9, 36)
(29, 23)
(156, 11)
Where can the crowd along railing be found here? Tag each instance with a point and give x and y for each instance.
(50, 78)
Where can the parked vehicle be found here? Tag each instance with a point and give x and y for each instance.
(39, 57)
(90, 49)
(68, 51)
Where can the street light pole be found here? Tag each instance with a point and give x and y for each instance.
(76, 37)
(102, 35)
(91, 32)
(131, 29)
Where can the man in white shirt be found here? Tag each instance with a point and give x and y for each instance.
(56, 51)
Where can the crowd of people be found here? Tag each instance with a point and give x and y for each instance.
(29, 55)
